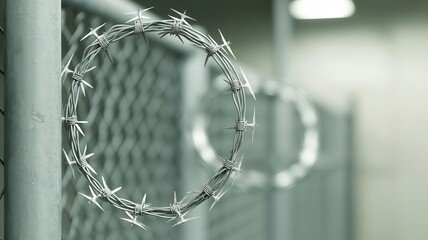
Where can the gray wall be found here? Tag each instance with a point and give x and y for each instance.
(375, 67)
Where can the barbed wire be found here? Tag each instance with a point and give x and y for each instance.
(308, 116)
(309, 151)
(179, 27)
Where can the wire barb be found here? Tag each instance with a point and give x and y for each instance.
(78, 77)
(178, 25)
(83, 160)
(133, 220)
(66, 70)
(217, 197)
(247, 84)
(93, 198)
(139, 22)
(106, 192)
(139, 208)
(226, 44)
(100, 39)
(175, 209)
(70, 163)
(74, 123)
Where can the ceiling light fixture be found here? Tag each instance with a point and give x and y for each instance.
(321, 9)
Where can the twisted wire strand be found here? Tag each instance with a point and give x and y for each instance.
(217, 185)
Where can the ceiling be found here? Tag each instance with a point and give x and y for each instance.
(248, 24)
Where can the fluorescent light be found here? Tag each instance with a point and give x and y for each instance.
(321, 9)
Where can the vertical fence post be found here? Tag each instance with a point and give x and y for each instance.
(280, 201)
(33, 120)
(194, 85)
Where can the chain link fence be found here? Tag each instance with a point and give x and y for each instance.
(134, 117)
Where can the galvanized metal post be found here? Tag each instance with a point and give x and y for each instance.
(194, 85)
(33, 120)
(280, 201)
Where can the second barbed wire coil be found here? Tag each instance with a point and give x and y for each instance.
(307, 156)
(179, 27)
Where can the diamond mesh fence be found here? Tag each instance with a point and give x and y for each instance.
(134, 116)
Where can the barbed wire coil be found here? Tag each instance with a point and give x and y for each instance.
(308, 154)
(179, 27)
